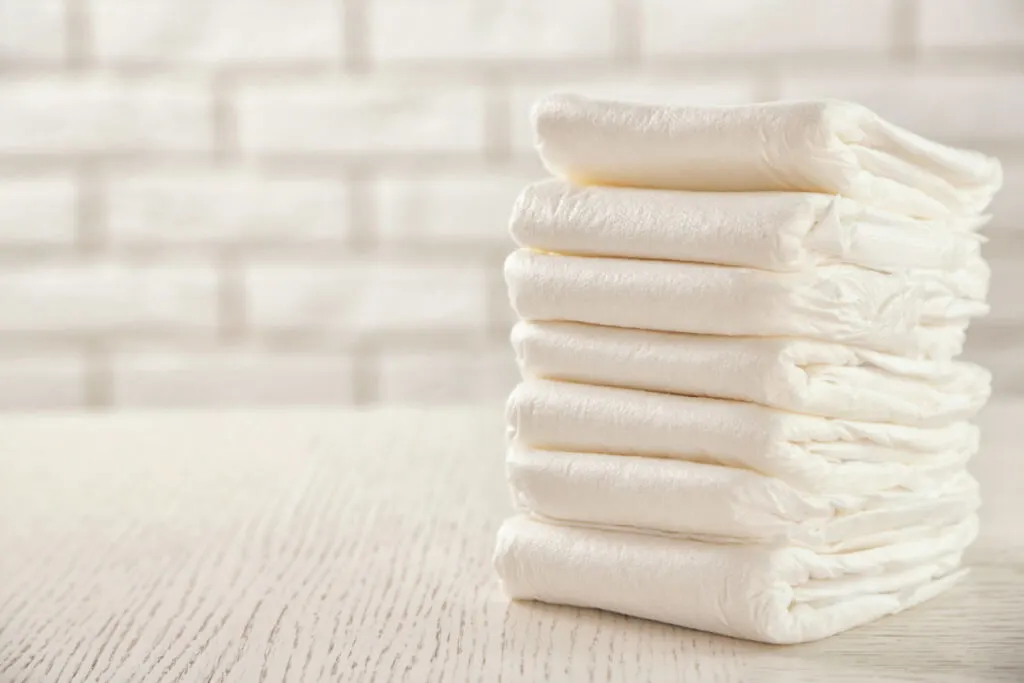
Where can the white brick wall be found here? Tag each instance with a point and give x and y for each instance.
(961, 24)
(32, 31)
(38, 211)
(217, 32)
(447, 208)
(107, 297)
(674, 28)
(103, 115)
(225, 207)
(355, 299)
(31, 382)
(495, 30)
(360, 117)
(230, 202)
(442, 377)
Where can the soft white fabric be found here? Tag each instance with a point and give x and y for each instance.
(725, 504)
(781, 231)
(827, 146)
(812, 453)
(920, 312)
(771, 594)
(804, 376)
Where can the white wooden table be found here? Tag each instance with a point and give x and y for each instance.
(322, 546)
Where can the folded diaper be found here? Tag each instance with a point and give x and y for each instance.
(781, 231)
(803, 376)
(726, 504)
(826, 146)
(773, 594)
(919, 312)
(811, 453)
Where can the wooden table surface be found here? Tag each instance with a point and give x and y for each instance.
(355, 546)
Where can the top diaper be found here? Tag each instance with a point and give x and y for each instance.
(828, 146)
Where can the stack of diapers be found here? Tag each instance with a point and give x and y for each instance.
(741, 410)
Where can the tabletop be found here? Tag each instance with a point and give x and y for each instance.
(355, 546)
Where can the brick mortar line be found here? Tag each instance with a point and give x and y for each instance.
(78, 34)
(968, 58)
(99, 377)
(90, 209)
(25, 254)
(363, 213)
(627, 32)
(469, 71)
(62, 345)
(482, 261)
(327, 162)
(268, 255)
(355, 34)
(419, 339)
(311, 166)
(81, 258)
(366, 378)
(905, 21)
(78, 339)
(231, 298)
(226, 143)
(41, 163)
(473, 72)
(453, 252)
(181, 74)
(425, 338)
(39, 347)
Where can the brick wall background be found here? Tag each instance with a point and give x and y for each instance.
(214, 202)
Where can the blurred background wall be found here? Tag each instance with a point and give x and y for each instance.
(304, 201)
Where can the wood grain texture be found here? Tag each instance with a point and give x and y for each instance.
(348, 546)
